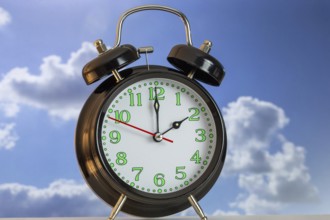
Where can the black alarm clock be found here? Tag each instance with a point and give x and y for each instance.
(150, 140)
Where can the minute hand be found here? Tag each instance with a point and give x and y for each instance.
(175, 125)
(138, 128)
(156, 107)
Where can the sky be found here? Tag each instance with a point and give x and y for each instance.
(274, 99)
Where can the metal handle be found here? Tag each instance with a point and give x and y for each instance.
(153, 7)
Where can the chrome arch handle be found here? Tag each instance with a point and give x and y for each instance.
(152, 7)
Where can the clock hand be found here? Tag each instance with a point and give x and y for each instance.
(175, 125)
(140, 129)
(156, 107)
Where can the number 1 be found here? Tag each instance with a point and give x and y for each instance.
(178, 99)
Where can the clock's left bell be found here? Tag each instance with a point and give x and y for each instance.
(109, 61)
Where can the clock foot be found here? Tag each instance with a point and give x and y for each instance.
(115, 210)
(197, 207)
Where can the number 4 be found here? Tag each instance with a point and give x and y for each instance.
(196, 157)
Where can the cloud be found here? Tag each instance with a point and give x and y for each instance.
(191, 212)
(60, 198)
(256, 120)
(58, 88)
(254, 204)
(8, 137)
(188, 212)
(270, 169)
(219, 212)
(5, 17)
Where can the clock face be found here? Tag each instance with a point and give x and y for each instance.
(157, 153)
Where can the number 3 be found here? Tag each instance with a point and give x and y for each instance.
(201, 133)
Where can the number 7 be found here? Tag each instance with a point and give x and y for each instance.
(139, 169)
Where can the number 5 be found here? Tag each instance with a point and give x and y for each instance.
(182, 174)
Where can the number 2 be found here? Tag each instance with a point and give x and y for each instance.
(195, 114)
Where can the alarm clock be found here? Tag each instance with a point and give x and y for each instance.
(150, 140)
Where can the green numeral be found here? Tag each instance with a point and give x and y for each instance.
(114, 136)
(178, 98)
(123, 116)
(159, 179)
(139, 169)
(180, 174)
(121, 158)
(196, 157)
(195, 114)
(201, 133)
(160, 93)
(132, 99)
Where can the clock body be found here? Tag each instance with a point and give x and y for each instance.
(119, 153)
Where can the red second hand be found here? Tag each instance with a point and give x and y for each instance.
(137, 128)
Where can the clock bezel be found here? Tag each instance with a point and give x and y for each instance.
(105, 180)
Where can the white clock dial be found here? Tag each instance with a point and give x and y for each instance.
(162, 164)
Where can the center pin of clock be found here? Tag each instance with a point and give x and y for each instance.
(158, 137)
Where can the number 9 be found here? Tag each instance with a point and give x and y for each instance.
(114, 136)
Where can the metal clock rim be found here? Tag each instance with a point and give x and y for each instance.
(163, 210)
(201, 178)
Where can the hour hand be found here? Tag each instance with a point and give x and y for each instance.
(175, 125)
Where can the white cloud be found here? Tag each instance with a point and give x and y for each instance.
(269, 181)
(5, 17)
(251, 126)
(188, 212)
(60, 198)
(58, 88)
(256, 120)
(8, 137)
(191, 212)
(219, 212)
(254, 205)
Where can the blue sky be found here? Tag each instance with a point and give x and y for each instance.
(274, 98)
